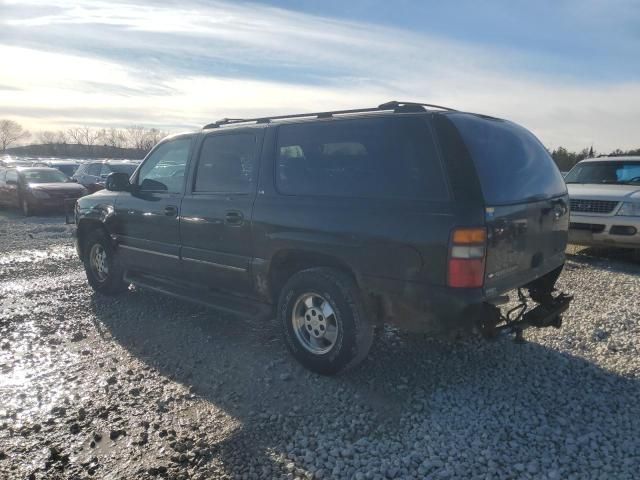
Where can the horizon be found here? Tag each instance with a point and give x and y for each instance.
(561, 70)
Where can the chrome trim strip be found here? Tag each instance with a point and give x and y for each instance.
(152, 252)
(213, 264)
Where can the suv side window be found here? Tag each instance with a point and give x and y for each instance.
(164, 170)
(105, 170)
(94, 169)
(11, 175)
(227, 163)
(383, 157)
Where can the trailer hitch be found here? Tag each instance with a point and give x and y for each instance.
(546, 314)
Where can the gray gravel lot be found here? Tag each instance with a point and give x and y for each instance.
(142, 386)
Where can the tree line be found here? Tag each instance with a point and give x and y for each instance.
(139, 140)
(91, 141)
(566, 159)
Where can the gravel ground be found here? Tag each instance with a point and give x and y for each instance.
(143, 386)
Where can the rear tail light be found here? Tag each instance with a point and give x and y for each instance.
(467, 257)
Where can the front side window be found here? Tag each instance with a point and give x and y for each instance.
(164, 170)
(227, 163)
(12, 175)
(384, 158)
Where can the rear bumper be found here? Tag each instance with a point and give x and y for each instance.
(605, 230)
(420, 307)
(434, 309)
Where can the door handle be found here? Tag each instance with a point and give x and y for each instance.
(171, 211)
(234, 218)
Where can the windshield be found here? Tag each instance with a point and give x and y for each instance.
(43, 176)
(127, 168)
(621, 173)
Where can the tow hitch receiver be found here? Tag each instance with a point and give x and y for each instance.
(546, 314)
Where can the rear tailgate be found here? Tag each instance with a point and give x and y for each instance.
(525, 197)
(525, 241)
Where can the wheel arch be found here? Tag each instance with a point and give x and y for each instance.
(287, 262)
(85, 226)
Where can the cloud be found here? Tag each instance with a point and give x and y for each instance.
(180, 65)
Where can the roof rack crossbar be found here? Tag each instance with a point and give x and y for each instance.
(393, 105)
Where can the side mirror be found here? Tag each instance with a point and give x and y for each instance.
(73, 179)
(118, 182)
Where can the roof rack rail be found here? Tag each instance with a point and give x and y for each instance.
(392, 105)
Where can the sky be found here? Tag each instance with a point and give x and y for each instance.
(569, 70)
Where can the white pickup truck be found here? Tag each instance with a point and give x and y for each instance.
(604, 195)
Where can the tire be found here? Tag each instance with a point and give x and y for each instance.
(98, 254)
(331, 343)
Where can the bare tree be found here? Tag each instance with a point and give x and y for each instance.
(135, 136)
(151, 137)
(47, 137)
(85, 136)
(61, 137)
(10, 133)
(115, 137)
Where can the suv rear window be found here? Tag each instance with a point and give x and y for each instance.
(392, 158)
(512, 164)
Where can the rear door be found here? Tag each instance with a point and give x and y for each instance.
(215, 225)
(525, 197)
(147, 219)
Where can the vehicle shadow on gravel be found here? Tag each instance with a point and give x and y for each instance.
(434, 398)
(623, 259)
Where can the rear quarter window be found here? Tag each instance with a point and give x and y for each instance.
(371, 158)
(512, 165)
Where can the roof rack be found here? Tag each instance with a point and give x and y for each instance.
(392, 105)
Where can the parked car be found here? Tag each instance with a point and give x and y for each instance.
(68, 167)
(92, 175)
(605, 202)
(341, 221)
(37, 188)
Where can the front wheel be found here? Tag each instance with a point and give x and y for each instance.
(104, 272)
(324, 320)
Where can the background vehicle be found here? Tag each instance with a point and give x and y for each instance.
(605, 202)
(68, 167)
(31, 188)
(92, 175)
(341, 220)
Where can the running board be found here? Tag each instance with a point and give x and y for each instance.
(241, 306)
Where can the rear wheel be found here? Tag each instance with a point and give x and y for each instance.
(104, 272)
(324, 320)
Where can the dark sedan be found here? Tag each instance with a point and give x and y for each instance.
(37, 188)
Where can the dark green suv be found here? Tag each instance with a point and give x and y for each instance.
(409, 214)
